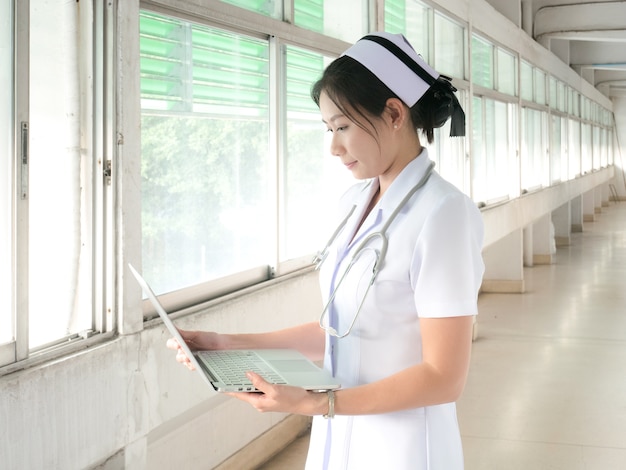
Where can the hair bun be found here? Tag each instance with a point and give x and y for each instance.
(447, 106)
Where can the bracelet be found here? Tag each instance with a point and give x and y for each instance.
(331, 405)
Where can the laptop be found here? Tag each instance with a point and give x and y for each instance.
(225, 370)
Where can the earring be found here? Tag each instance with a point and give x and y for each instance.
(395, 126)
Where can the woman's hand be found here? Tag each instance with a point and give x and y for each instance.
(197, 341)
(283, 398)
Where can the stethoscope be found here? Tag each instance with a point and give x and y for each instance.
(379, 254)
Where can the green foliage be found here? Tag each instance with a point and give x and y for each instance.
(194, 171)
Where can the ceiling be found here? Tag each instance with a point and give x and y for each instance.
(588, 35)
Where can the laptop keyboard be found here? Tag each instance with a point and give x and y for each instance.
(231, 367)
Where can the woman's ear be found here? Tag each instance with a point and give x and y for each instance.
(396, 113)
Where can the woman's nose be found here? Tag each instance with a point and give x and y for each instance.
(336, 149)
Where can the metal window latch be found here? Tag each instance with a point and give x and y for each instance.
(24, 159)
(108, 172)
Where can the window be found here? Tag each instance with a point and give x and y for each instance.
(413, 19)
(449, 47)
(574, 149)
(560, 93)
(479, 164)
(556, 150)
(575, 103)
(482, 62)
(6, 180)
(271, 8)
(534, 157)
(58, 198)
(346, 20)
(207, 178)
(526, 81)
(395, 17)
(540, 86)
(449, 153)
(223, 192)
(493, 141)
(507, 72)
(586, 148)
(306, 162)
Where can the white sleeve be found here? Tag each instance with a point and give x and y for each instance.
(447, 265)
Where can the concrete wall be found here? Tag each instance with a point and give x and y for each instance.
(128, 404)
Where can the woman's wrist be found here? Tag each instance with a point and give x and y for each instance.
(331, 405)
(319, 404)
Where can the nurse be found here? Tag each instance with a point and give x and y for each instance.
(399, 278)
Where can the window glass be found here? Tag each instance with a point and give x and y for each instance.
(449, 47)
(555, 149)
(307, 162)
(575, 103)
(413, 21)
(6, 170)
(450, 156)
(574, 148)
(560, 96)
(526, 81)
(482, 62)
(395, 16)
(604, 158)
(540, 86)
(207, 179)
(597, 147)
(552, 93)
(586, 155)
(498, 159)
(60, 269)
(271, 8)
(489, 146)
(507, 73)
(532, 149)
(346, 20)
(479, 167)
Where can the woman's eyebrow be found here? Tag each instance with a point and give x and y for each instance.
(333, 118)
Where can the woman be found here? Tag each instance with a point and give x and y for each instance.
(397, 326)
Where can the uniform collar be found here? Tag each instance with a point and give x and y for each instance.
(401, 185)
(404, 182)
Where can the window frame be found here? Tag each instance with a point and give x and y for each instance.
(18, 354)
(283, 35)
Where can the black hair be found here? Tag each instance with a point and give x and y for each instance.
(354, 89)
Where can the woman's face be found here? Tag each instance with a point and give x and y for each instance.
(357, 148)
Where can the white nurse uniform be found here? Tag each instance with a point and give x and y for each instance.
(433, 268)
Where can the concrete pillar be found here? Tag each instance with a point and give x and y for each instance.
(504, 271)
(562, 220)
(597, 199)
(606, 194)
(528, 245)
(576, 206)
(589, 206)
(544, 248)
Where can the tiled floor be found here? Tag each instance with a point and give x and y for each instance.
(547, 385)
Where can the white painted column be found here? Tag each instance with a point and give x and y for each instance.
(606, 195)
(597, 200)
(504, 271)
(576, 206)
(528, 245)
(543, 240)
(589, 206)
(562, 220)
